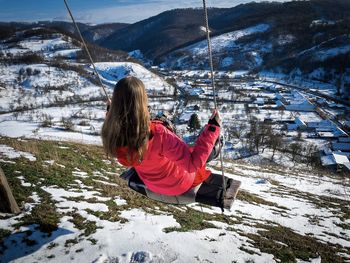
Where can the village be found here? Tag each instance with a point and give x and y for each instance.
(311, 123)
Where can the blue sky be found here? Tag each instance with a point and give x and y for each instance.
(98, 11)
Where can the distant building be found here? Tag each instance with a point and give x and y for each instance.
(326, 124)
(195, 91)
(344, 139)
(296, 125)
(259, 101)
(343, 147)
(302, 106)
(336, 161)
(294, 101)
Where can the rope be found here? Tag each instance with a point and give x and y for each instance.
(210, 52)
(213, 86)
(86, 49)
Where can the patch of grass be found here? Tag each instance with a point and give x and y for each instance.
(112, 215)
(71, 242)
(89, 159)
(191, 219)
(52, 245)
(20, 192)
(345, 226)
(247, 250)
(45, 215)
(93, 241)
(81, 223)
(287, 245)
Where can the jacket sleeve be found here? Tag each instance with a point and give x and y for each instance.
(189, 159)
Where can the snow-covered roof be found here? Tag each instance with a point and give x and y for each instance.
(341, 146)
(299, 122)
(344, 139)
(327, 160)
(340, 159)
(326, 134)
(347, 165)
(322, 123)
(333, 159)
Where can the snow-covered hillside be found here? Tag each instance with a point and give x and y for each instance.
(75, 208)
(226, 51)
(280, 214)
(53, 45)
(59, 97)
(111, 72)
(264, 48)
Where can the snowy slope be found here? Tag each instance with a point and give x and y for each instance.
(43, 98)
(111, 72)
(225, 41)
(283, 213)
(225, 49)
(290, 200)
(53, 45)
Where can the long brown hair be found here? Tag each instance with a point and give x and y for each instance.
(127, 122)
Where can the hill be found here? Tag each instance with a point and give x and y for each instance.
(313, 45)
(91, 33)
(76, 208)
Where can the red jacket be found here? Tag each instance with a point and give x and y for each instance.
(169, 165)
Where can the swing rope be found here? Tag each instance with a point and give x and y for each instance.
(210, 55)
(86, 49)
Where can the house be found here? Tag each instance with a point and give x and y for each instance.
(323, 124)
(321, 101)
(336, 160)
(300, 106)
(297, 124)
(343, 147)
(326, 135)
(344, 139)
(334, 105)
(330, 133)
(252, 106)
(295, 101)
(260, 101)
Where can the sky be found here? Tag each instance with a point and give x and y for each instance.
(99, 11)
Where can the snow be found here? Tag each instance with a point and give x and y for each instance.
(11, 153)
(226, 41)
(142, 237)
(111, 72)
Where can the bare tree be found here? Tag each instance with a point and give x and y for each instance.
(276, 141)
(295, 149)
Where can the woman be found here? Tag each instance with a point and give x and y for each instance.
(164, 162)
